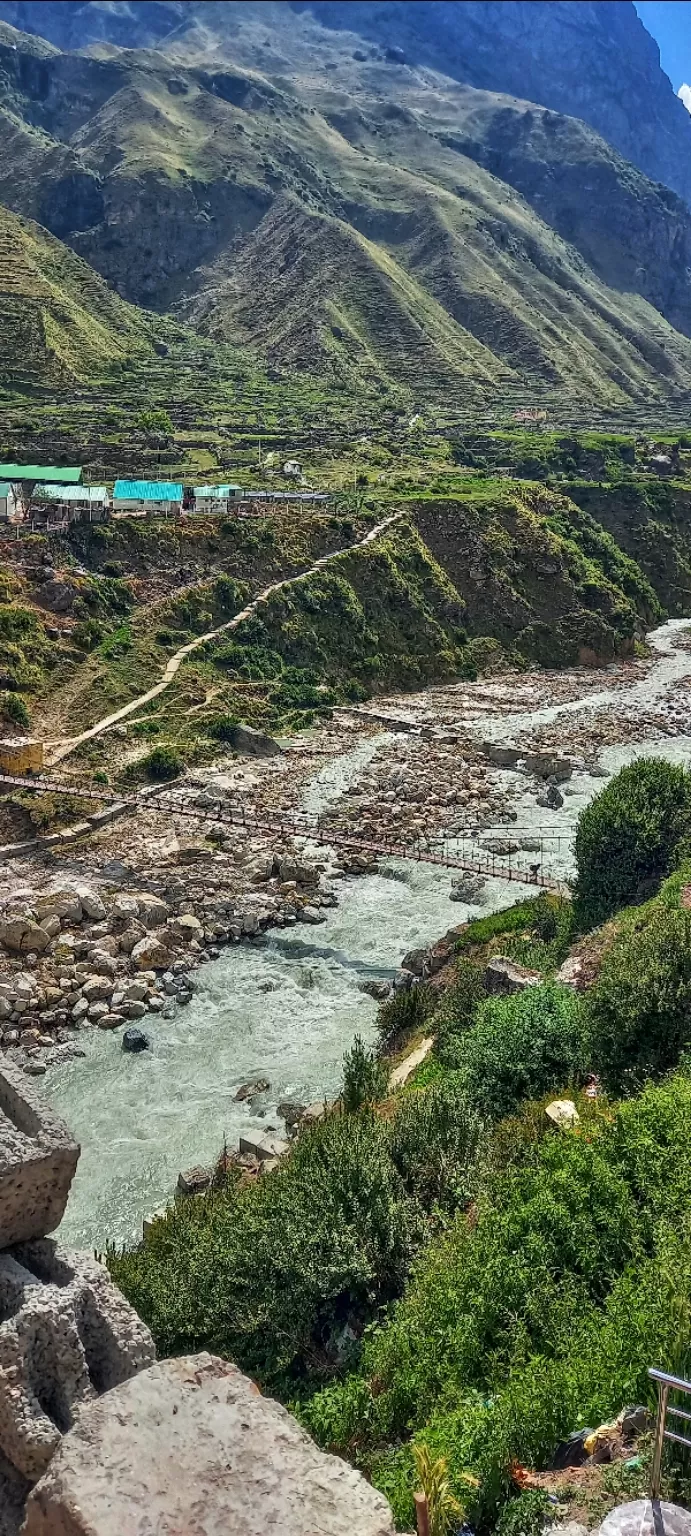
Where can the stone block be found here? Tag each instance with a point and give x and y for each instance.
(67, 1335)
(38, 1158)
(262, 1144)
(191, 1445)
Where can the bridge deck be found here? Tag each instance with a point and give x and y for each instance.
(442, 851)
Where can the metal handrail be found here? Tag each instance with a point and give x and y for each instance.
(666, 1384)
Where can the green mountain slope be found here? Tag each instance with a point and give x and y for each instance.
(59, 321)
(376, 226)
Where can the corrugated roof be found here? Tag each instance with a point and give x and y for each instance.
(147, 490)
(90, 493)
(45, 472)
(215, 490)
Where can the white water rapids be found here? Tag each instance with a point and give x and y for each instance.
(287, 1009)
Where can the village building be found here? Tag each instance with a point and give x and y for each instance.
(21, 755)
(147, 498)
(215, 499)
(60, 505)
(19, 482)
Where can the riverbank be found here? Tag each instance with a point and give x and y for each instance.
(281, 999)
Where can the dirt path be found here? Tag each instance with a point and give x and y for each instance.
(64, 748)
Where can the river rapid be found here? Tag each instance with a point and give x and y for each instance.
(287, 1007)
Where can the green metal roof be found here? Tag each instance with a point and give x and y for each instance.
(42, 472)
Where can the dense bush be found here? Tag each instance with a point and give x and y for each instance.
(639, 1011)
(539, 1317)
(271, 1274)
(161, 764)
(522, 1047)
(403, 1013)
(14, 708)
(628, 837)
(433, 1140)
(457, 1011)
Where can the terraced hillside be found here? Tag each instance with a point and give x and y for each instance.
(59, 321)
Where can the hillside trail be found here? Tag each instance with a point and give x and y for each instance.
(64, 748)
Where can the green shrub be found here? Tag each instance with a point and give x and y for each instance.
(14, 708)
(270, 1274)
(628, 837)
(522, 1047)
(161, 764)
(639, 1010)
(433, 1140)
(403, 1013)
(87, 634)
(525, 1515)
(223, 727)
(365, 1077)
(457, 1011)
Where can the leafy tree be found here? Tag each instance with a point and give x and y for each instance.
(365, 1077)
(629, 835)
(155, 425)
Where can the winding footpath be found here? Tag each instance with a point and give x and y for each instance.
(65, 748)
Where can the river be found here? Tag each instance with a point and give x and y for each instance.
(286, 1009)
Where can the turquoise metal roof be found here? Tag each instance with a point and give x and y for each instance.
(147, 490)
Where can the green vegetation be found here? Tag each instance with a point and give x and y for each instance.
(441, 1281)
(630, 835)
(161, 764)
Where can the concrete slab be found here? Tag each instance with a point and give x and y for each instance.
(38, 1158)
(262, 1144)
(190, 1445)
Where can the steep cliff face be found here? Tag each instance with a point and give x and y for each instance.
(591, 59)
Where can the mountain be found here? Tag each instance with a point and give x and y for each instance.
(591, 59)
(286, 184)
(59, 321)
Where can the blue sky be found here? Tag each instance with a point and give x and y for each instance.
(669, 22)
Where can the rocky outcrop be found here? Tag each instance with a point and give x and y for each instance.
(190, 1444)
(504, 976)
(38, 1158)
(67, 1335)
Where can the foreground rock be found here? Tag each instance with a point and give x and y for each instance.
(67, 1334)
(190, 1445)
(38, 1158)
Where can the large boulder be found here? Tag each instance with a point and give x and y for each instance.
(153, 911)
(255, 743)
(191, 1445)
(57, 596)
(503, 976)
(92, 905)
(22, 933)
(66, 1334)
(62, 903)
(151, 954)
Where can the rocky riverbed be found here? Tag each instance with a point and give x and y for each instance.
(121, 932)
